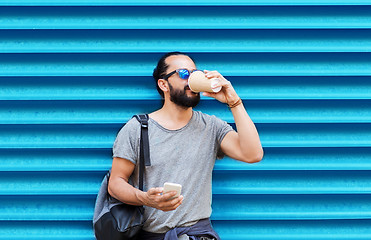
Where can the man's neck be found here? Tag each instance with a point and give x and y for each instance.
(172, 116)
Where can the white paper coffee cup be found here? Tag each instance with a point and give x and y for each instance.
(198, 82)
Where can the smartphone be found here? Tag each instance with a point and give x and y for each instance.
(173, 187)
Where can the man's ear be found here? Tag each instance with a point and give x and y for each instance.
(163, 85)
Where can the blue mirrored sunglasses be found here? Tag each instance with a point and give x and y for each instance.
(182, 72)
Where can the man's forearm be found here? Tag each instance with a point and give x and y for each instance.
(248, 135)
(124, 192)
(154, 197)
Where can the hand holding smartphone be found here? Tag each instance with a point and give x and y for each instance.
(168, 187)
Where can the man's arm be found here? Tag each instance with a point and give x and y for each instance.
(243, 145)
(119, 188)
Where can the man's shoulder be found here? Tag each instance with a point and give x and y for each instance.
(132, 125)
(206, 117)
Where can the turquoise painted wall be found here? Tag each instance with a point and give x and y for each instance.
(72, 72)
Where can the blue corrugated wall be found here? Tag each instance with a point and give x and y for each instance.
(72, 72)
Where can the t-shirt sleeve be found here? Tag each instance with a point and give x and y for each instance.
(221, 129)
(127, 141)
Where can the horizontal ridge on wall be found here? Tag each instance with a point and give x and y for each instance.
(52, 230)
(229, 230)
(102, 136)
(142, 88)
(187, 17)
(112, 112)
(294, 229)
(99, 160)
(210, 41)
(172, 3)
(225, 207)
(225, 182)
(233, 64)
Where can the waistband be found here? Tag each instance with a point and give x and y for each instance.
(201, 228)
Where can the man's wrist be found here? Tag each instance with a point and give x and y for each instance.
(141, 197)
(234, 103)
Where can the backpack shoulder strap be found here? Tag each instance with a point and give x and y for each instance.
(144, 158)
(143, 119)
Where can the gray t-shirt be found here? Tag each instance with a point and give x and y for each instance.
(185, 156)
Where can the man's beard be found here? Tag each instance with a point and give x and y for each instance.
(180, 98)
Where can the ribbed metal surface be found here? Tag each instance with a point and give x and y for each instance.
(72, 72)
(171, 3)
(186, 17)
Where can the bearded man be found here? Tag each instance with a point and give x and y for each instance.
(184, 145)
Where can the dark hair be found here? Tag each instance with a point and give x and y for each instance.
(161, 68)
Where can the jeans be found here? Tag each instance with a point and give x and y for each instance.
(186, 237)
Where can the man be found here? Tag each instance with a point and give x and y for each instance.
(183, 147)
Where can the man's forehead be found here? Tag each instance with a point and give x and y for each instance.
(180, 61)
